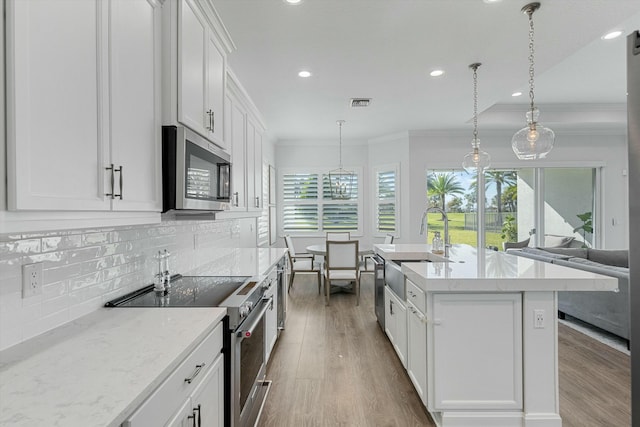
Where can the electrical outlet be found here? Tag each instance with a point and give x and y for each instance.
(31, 280)
(538, 319)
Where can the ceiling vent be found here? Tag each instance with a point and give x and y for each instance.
(360, 102)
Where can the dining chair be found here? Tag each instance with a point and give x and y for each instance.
(388, 239)
(341, 264)
(338, 235)
(300, 263)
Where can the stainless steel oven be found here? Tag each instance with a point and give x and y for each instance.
(248, 344)
(196, 174)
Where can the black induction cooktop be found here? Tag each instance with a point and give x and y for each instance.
(185, 291)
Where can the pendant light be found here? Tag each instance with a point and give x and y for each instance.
(476, 161)
(340, 180)
(534, 141)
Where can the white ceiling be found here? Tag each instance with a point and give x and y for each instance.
(385, 49)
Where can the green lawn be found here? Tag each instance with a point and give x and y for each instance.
(457, 233)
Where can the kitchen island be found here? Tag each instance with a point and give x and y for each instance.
(481, 332)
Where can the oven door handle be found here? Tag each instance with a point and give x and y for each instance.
(248, 332)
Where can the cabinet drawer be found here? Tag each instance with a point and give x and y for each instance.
(165, 400)
(416, 296)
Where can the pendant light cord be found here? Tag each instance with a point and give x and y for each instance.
(531, 59)
(340, 123)
(475, 105)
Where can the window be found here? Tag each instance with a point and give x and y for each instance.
(307, 206)
(386, 199)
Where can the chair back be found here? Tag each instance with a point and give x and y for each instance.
(338, 235)
(289, 243)
(388, 239)
(342, 255)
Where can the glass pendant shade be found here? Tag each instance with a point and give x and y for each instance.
(476, 160)
(533, 141)
(341, 181)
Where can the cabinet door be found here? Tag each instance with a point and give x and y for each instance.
(184, 417)
(477, 351)
(192, 79)
(251, 165)
(215, 90)
(417, 350)
(135, 103)
(56, 105)
(258, 168)
(401, 336)
(208, 398)
(238, 154)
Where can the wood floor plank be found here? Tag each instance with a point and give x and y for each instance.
(334, 366)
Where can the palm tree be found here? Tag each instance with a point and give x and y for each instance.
(441, 184)
(500, 179)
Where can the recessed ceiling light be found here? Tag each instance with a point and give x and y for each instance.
(492, 1)
(436, 73)
(293, 1)
(304, 73)
(612, 35)
(514, 94)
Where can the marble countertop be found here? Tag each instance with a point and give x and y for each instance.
(96, 370)
(407, 251)
(470, 269)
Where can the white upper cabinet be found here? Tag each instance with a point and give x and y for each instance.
(83, 94)
(201, 44)
(246, 136)
(135, 103)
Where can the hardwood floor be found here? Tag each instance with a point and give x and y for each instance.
(333, 366)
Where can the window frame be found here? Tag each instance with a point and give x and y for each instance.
(377, 201)
(320, 201)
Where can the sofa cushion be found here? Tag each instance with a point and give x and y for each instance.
(569, 252)
(543, 254)
(614, 257)
(551, 241)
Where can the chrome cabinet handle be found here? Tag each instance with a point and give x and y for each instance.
(121, 173)
(112, 180)
(195, 373)
(236, 196)
(193, 416)
(391, 308)
(213, 121)
(257, 202)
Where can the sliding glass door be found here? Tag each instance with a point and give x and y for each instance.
(546, 206)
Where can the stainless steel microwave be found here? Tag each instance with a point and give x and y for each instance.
(196, 174)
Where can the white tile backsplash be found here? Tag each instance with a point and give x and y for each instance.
(83, 269)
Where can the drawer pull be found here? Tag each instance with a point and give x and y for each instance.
(195, 373)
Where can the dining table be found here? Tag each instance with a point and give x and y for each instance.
(321, 250)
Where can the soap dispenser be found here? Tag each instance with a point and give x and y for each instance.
(437, 245)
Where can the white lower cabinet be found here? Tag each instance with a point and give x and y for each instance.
(417, 350)
(205, 408)
(395, 323)
(192, 395)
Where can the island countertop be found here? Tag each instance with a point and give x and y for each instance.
(471, 270)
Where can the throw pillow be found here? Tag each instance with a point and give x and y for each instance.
(551, 241)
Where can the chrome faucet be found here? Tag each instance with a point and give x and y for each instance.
(424, 226)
